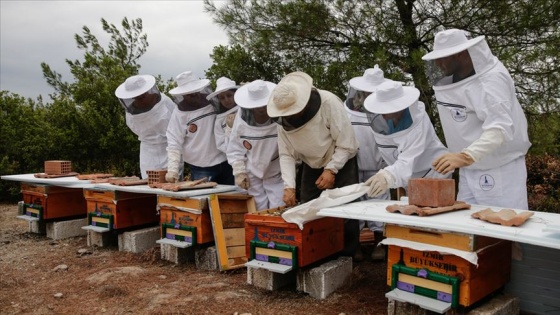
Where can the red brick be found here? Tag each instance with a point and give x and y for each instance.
(431, 192)
(58, 167)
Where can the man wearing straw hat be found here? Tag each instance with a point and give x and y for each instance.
(483, 123)
(313, 128)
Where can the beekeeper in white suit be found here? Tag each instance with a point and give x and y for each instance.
(147, 115)
(190, 134)
(483, 123)
(405, 137)
(369, 157)
(226, 108)
(253, 147)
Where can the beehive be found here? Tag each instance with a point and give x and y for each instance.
(118, 209)
(180, 214)
(319, 238)
(47, 202)
(58, 167)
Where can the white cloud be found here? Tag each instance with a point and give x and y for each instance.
(181, 37)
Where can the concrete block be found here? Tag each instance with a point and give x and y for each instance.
(206, 258)
(105, 239)
(66, 229)
(321, 281)
(502, 304)
(37, 227)
(268, 280)
(176, 255)
(138, 241)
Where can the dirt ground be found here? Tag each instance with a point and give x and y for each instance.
(42, 276)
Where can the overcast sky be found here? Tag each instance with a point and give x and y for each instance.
(180, 36)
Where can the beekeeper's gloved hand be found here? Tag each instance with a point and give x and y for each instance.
(290, 197)
(379, 183)
(450, 161)
(173, 161)
(242, 180)
(230, 119)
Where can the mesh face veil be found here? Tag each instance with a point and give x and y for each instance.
(143, 102)
(193, 101)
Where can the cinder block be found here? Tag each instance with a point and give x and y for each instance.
(431, 192)
(503, 304)
(206, 258)
(106, 239)
(321, 281)
(66, 229)
(37, 227)
(138, 241)
(268, 280)
(177, 255)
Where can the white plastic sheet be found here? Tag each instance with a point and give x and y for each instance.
(329, 198)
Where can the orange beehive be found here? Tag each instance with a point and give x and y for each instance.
(319, 238)
(177, 212)
(52, 202)
(58, 167)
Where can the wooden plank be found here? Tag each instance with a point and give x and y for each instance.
(273, 252)
(426, 283)
(101, 220)
(233, 220)
(277, 268)
(235, 237)
(227, 212)
(236, 251)
(422, 301)
(178, 232)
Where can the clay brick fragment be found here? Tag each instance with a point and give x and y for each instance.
(431, 192)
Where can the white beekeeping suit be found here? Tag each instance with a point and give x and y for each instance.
(481, 118)
(404, 135)
(369, 156)
(190, 134)
(253, 147)
(147, 115)
(226, 108)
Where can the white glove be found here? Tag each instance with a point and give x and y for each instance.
(238, 167)
(171, 177)
(242, 180)
(173, 160)
(227, 131)
(379, 183)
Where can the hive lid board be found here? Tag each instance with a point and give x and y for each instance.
(422, 301)
(97, 229)
(28, 218)
(277, 268)
(175, 243)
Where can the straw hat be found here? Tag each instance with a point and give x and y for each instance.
(450, 42)
(254, 94)
(187, 83)
(290, 95)
(134, 86)
(391, 97)
(222, 84)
